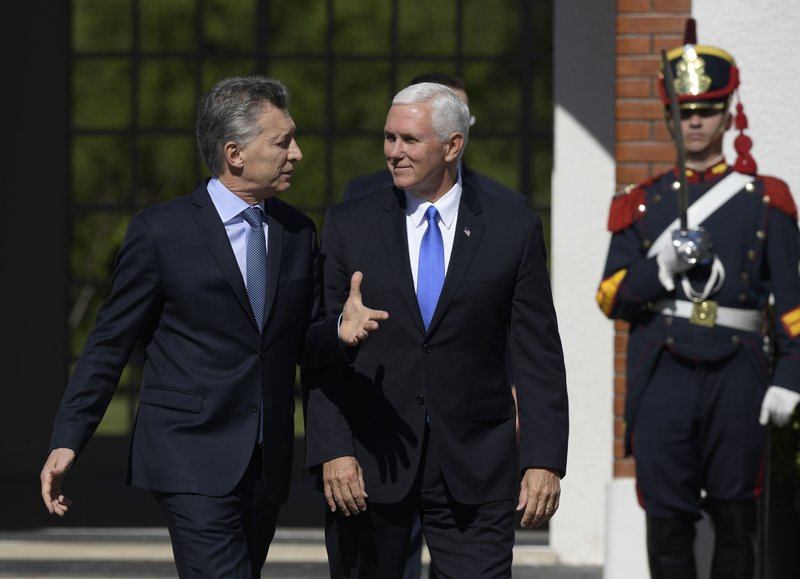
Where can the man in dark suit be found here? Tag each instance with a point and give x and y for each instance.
(222, 288)
(423, 420)
(382, 179)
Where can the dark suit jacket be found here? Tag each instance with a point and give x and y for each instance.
(497, 289)
(381, 179)
(177, 289)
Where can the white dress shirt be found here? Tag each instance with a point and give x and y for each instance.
(230, 207)
(417, 224)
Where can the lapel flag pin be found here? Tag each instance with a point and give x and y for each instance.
(467, 231)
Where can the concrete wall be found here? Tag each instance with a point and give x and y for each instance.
(583, 181)
(599, 521)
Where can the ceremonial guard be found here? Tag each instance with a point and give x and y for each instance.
(703, 264)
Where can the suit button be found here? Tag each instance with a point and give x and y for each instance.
(427, 348)
(420, 400)
(254, 408)
(262, 355)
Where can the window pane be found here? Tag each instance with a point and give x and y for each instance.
(167, 167)
(100, 169)
(166, 93)
(490, 26)
(495, 158)
(542, 163)
(101, 25)
(355, 157)
(215, 70)
(101, 93)
(362, 27)
(85, 301)
(360, 95)
(543, 95)
(297, 27)
(96, 238)
(494, 97)
(167, 26)
(427, 27)
(309, 183)
(307, 103)
(229, 26)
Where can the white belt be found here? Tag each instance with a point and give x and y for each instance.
(738, 319)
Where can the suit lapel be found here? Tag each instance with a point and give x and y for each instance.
(216, 238)
(275, 253)
(392, 226)
(470, 226)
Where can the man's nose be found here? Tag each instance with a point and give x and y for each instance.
(295, 154)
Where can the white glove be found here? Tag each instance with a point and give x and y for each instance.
(778, 405)
(669, 266)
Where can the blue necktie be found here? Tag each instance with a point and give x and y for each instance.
(430, 275)
(256, 280)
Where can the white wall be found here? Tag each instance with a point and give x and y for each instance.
(763, 39)
(599, 519)
(583, 182)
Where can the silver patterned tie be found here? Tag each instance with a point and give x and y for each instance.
(256, 280)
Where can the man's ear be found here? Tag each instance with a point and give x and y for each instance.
(453, 146)
(233, 155)
(728, 120)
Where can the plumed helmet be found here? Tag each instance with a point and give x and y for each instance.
(706, 77)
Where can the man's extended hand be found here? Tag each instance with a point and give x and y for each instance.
(53, 472)
(343, 484)
(539, 495)
(357, 319)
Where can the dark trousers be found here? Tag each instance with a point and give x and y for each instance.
(464, 541)
(697, 430)
(226, 536)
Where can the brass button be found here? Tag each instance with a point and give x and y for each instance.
(735, 339)
(745, 276)
(750, 187)
(760, 234)
(676, 186)
(751, 254)
(670, 341)
(742, 297)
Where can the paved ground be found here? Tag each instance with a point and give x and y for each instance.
(145, 553)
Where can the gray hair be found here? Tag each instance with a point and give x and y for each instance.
(449, 113)
(230, 112)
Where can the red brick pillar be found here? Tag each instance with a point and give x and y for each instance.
(644, 147)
